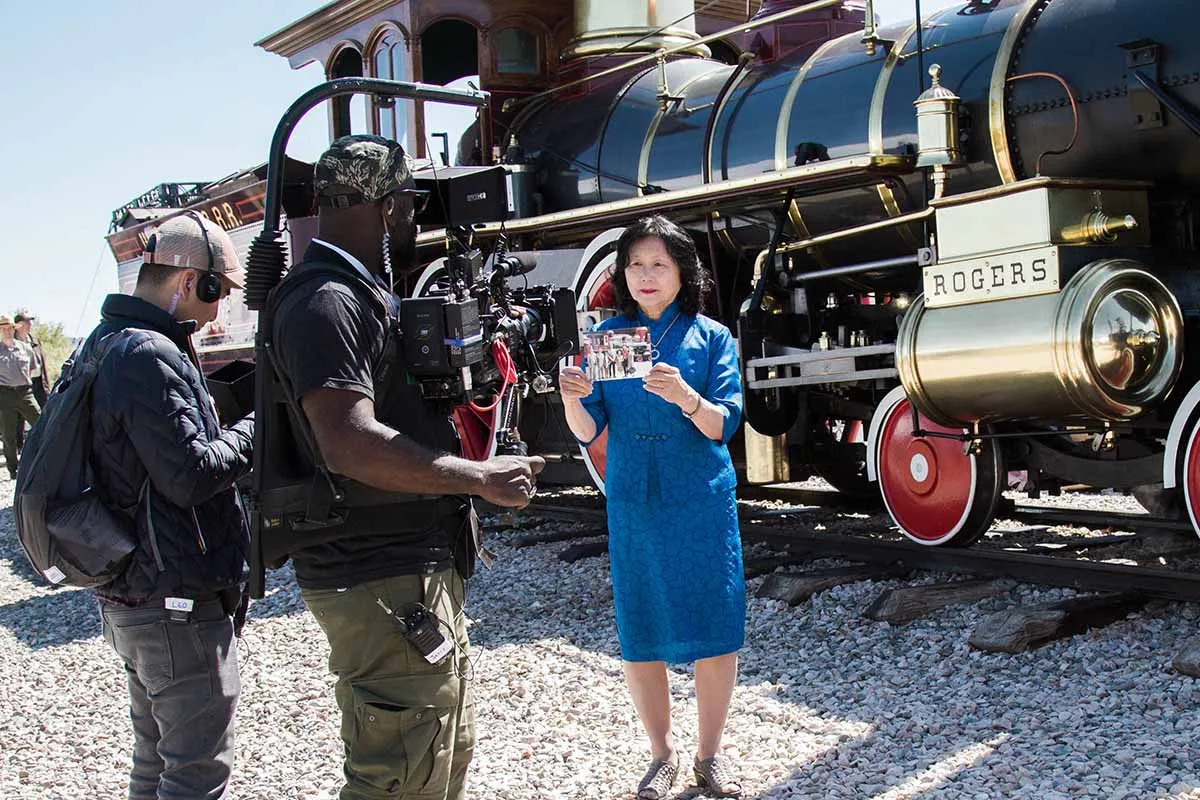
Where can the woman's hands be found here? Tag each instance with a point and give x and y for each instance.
(573, 384)
(665, 381)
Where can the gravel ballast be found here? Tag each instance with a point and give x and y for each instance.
(828, 704)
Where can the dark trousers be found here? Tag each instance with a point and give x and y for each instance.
(17, 403)
(408, 726)
(39, 394)
(183, 688)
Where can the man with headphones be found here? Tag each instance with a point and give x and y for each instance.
(164, 463)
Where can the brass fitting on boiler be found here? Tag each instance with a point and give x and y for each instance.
(1096, 226)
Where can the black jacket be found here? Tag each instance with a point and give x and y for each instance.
(161, 457)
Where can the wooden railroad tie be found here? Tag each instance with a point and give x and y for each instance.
(1016, 630)
(768, 564)
(550, 537)
(910, 602)
(795, 588)
(582, 550)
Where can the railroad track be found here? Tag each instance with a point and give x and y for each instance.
(1051, 564)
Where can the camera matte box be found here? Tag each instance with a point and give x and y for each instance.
(463, 195)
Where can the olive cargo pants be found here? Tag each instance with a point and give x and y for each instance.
(17, 403)
(408, 726)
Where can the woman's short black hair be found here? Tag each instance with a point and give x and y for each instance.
(694, 279)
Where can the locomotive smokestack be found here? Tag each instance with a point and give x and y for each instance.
(603, 27)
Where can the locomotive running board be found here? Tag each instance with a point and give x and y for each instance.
(821, 176)
(806, 368)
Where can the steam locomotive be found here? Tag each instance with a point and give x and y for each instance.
(951, 250)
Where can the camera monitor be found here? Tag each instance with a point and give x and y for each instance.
(463, 196)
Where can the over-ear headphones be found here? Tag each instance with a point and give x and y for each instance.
(208, 288)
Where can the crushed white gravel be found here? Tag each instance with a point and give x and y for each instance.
(828, 705)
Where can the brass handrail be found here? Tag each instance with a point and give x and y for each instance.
(701, 196)
(845, 233)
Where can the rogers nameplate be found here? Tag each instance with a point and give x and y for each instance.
(996, 277)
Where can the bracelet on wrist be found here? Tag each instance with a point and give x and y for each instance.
(699, 401)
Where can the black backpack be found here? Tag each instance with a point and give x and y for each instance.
(67, 532)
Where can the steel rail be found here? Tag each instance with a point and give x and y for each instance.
(1022, 567)
(765, 525)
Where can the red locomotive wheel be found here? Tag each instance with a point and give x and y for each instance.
(935, 493)
(593, 292)
(1191, 476)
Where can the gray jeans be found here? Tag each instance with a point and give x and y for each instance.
(183, 689)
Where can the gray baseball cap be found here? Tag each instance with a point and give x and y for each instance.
(191, 241)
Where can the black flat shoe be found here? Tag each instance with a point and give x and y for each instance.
(659, 779)
(715, 776)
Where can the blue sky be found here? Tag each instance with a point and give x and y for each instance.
(102, 101)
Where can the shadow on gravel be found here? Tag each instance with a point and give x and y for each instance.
(282, 596)
(10, 549)
(61, 617)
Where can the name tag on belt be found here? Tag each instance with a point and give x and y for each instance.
(178, 604)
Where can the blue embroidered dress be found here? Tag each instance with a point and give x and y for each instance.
(675, 549)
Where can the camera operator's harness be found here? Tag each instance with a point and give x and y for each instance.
(295, 512)
(277, 494)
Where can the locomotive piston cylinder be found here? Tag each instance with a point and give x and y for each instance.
(1106, 346)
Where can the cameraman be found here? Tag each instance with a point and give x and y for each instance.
(407, 724)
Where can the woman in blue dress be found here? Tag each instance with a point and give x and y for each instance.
(678, 583)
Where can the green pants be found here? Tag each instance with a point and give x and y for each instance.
(408, 726)
(16, 403)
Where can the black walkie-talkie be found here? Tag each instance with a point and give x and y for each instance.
(421, 629)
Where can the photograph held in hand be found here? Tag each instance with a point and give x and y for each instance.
(617, 354)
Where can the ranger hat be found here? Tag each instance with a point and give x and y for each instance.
(360, 169)
(190, 241)
(5, 319)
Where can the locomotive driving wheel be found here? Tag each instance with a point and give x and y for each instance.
(1191, 475)
(593, 301)
(935, 493)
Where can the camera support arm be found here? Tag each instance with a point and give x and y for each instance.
(265, 263)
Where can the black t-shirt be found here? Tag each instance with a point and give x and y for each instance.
(328, 335)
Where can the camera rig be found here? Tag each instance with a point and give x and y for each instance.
(485, 340)
(476, 340)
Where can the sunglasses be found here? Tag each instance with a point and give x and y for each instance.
(420, 198)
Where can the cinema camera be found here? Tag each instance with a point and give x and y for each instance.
(474, 339)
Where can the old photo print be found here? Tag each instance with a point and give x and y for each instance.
(617, 354)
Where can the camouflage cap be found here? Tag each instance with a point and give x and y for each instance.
(360, 169)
